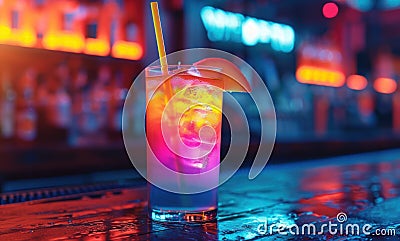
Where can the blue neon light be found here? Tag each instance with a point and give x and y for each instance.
(227, 26)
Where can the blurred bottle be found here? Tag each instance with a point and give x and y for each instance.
(26, 116)
(54, 105)
(7, 108)
(90, 110)
(117, 99)
(366, 109)
(99, 104)
(80, 108)
(321, 113)
(62, 73)
(396, 112)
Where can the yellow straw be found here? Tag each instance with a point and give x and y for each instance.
(163, 60)
(159, 37)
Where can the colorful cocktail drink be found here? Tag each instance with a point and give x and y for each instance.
(183, 129)
(183, 132)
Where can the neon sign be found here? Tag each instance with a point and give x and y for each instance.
(100, 29)
(320, 76)
(227, 26)
(320, 64)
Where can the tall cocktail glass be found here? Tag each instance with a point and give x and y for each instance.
(183, 130)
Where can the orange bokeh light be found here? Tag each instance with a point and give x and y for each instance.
(5, 32)
(127, 50)
(385, 85)
(356, 82)
(23, 37)
(320, 76)
(97, 47)
(70, 42)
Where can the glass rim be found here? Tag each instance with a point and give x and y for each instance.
(156, 68)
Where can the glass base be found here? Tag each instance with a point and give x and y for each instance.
(181, 216)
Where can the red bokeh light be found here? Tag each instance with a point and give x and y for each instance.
(385, 85)
(330, 10)
(356, 82)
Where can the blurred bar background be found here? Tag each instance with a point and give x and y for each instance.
(332, 68)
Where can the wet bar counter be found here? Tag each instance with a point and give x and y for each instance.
(365, 188)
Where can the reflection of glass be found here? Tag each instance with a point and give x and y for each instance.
(183, 128)
(205, 231)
